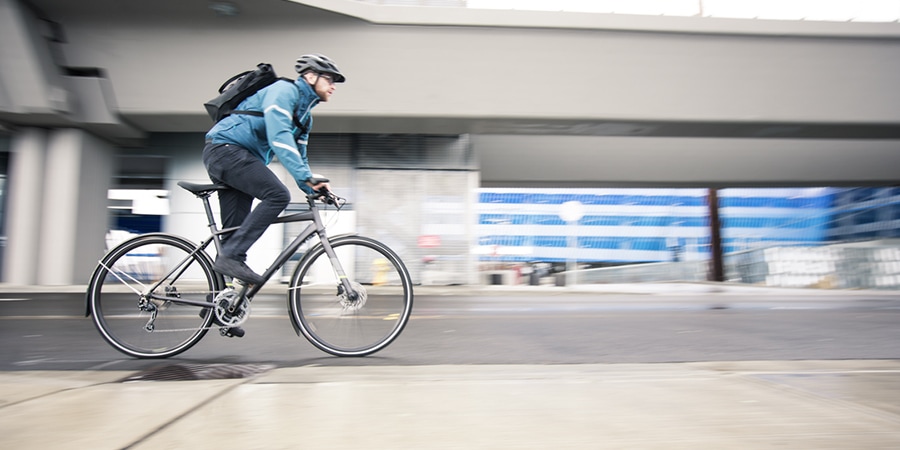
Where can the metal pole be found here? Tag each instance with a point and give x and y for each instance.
(717, 272)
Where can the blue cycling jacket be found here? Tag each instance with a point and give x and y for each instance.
(275, 133)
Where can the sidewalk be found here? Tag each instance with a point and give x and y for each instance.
(837, 404)
(734, 405)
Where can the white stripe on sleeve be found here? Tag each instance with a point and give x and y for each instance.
(281, 110)
(285, 146)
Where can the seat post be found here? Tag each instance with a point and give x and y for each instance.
(211, 219)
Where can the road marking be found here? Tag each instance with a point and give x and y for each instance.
(36, 317)
(798, 307)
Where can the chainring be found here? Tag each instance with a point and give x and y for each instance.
(223, 303)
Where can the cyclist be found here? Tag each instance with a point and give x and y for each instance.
(240, 146)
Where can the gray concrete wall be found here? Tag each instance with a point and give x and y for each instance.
(552, 98)
(165, 63)
(594, 161)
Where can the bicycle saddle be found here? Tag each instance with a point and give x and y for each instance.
(198, 189)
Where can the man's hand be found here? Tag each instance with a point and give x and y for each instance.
(317, 183)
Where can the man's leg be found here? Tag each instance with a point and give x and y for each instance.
(234, 206)
(249, 178)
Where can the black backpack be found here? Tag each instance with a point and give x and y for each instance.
(237, 88)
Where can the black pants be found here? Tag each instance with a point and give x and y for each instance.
(248, 178)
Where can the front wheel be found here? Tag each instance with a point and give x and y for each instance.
(147, 295)
(332, 319)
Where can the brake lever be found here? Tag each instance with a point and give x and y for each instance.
(330, 198)
(338, 202)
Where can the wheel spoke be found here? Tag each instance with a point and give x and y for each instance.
(338, 324)
(142, 323)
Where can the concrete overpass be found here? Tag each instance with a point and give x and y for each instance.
(543, 99)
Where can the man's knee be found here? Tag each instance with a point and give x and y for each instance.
(279, 197)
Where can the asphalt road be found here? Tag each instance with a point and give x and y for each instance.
(47, 331)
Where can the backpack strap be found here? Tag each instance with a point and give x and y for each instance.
(260, 114)
(297, 123)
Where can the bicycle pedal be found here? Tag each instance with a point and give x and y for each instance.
(237, 332)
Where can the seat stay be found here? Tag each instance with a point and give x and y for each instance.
(180, 268)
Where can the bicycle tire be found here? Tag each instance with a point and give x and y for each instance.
(119, 288)
(333, 323)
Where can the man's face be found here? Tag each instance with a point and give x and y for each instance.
(324, 86)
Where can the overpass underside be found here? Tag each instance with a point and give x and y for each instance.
(543, 99)
(686, 92)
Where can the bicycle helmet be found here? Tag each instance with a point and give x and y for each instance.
(321, 64)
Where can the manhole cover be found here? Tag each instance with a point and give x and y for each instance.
(188, 372)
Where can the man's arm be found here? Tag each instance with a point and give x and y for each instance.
(278, 105)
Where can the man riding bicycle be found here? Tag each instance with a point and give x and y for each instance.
(240, 146)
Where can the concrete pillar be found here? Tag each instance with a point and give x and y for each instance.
(28, 154)
(74, 218)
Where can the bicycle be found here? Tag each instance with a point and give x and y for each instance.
(156, 295)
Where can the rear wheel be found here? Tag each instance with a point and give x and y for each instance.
(333, 320)
(137, 292)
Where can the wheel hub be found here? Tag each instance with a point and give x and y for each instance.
(354, 304)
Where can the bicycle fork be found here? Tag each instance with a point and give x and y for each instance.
(345, 286)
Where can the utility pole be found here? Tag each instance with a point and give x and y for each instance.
(717, 272)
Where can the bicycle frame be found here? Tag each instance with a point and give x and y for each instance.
(315, 228)
(248, 292)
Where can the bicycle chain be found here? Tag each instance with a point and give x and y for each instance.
(211, 306)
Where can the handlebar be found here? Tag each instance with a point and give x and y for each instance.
(323, 194)
(329, 198)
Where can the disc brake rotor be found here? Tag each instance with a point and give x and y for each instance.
(354, 305)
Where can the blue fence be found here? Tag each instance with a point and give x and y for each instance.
(646, 225)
